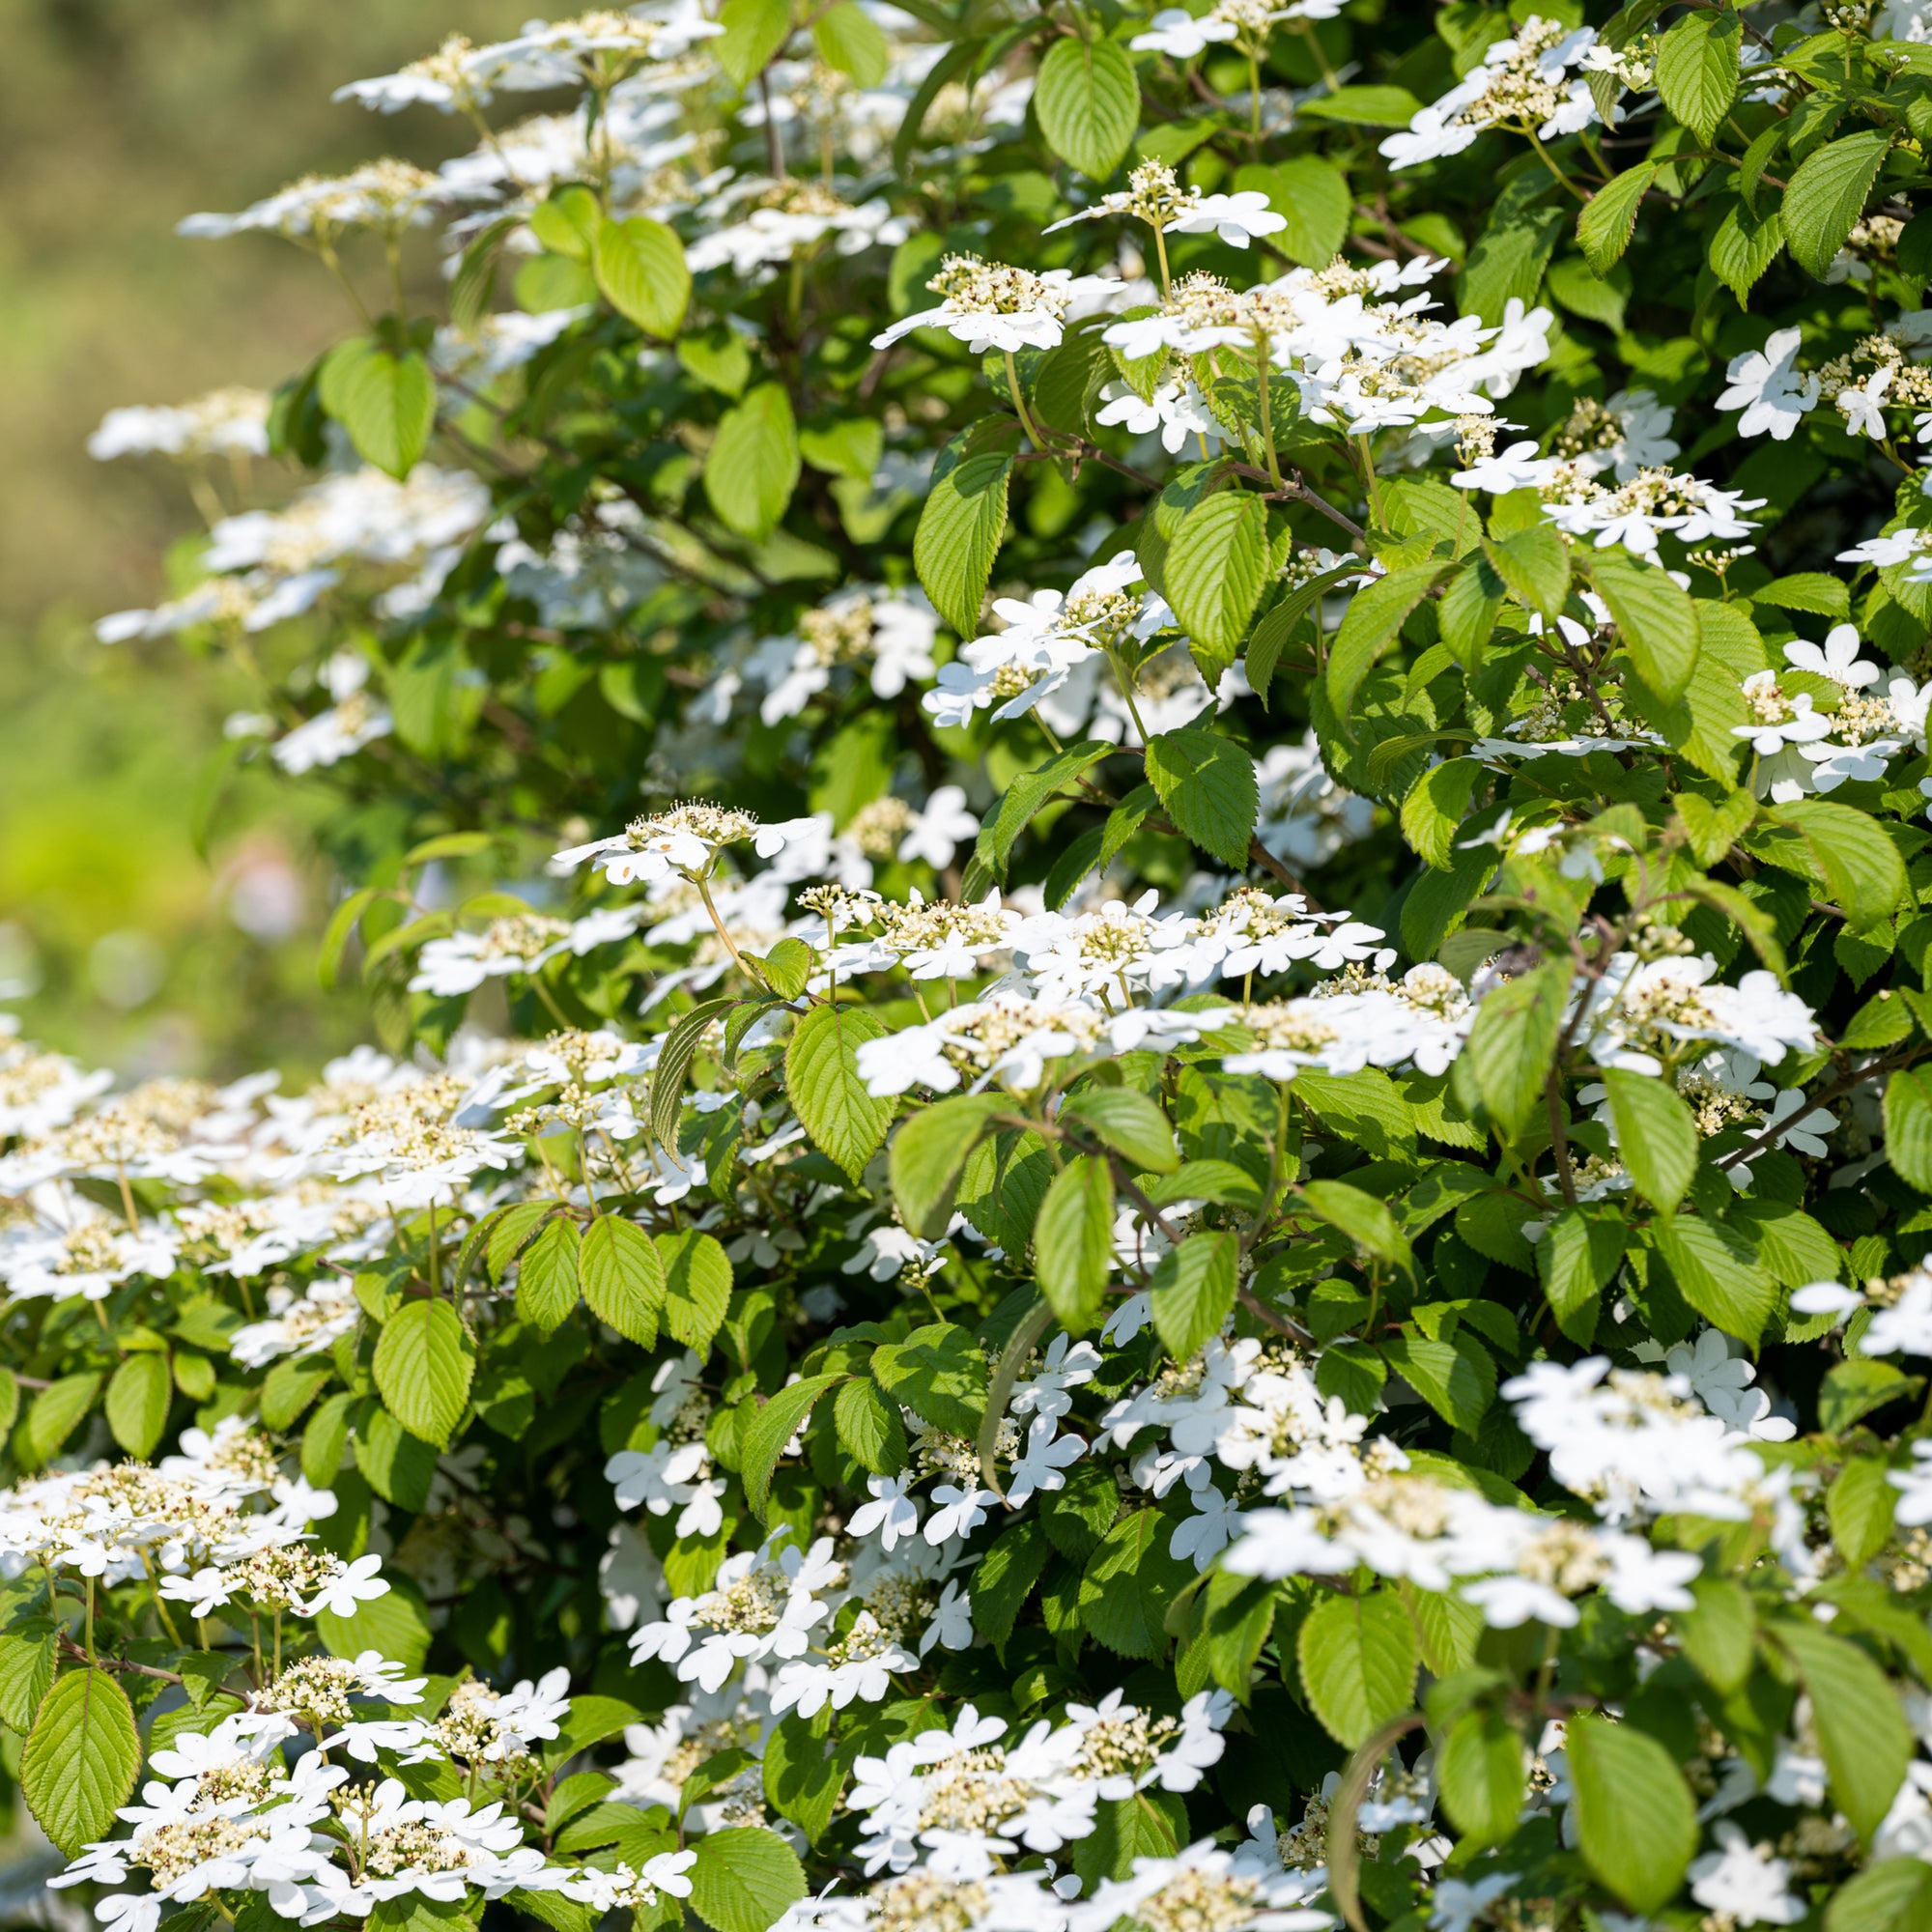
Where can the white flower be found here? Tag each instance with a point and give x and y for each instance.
(891, 1511)
(938, 830)
(1765, 385)
(1839, 658)
(959, 1514)
(1045, 1462)
(357, 1583)
(1746, 1882)
(1861, 404)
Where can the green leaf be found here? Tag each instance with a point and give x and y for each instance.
(1535, 564)
(56, 1412)
(938, 1371)
(509, 1232)
(1697, 70)
(1512, 1044)
(1129, 1122)
(386, 402)
(137, 1402)
(1026, 795)
(1603, 228)
(1636, 1821)
(753, 466)
(849, 40)
(80, 1759)
(1479, 1772)
(1745, 244)
(1575, 1260)
(1860, 1506)
(928, 1155)
(1657, 1138)
(1457, 1378)
(667, 1077)
(834, 1105)
(1358, 1662)
(1845, 850)
(744, 1878)
(1002, 1579)
(1362, 1217)
(1656, 621)
(1433, 813)
(958, 537)
(424, 1364)
(1217, 562)
(1369, 627)
(623, 1278)
(1364, 106)
(1073, 1243)
(1895, 1896)
(1863, 1734)
(869, 1427)
(1128, 1583)
(1826, 196)
(640, 270)
(802, 1775)
(1718, 1273)
(1854, 1389)
(547, 1277)
(1720, 1636)
(697, 1288)
(1087, 101)
(1194, 1291)
(27, 1655)
(772, 1428)
(1908, 1126)
(1208, 786)
(755, 32)
(1466, 613)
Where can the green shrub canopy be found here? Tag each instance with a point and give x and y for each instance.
(1135, 808)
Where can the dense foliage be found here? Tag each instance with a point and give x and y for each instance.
(1135, 809)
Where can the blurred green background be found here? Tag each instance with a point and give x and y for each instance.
(119, 940)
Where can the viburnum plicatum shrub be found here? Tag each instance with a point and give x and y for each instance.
(1137, 807)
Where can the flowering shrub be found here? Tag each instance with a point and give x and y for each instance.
(1136, 810)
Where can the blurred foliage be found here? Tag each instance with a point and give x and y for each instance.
(116, 117)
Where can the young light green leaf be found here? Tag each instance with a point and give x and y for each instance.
(1208, 786)
(697, 1287)
(753, 463)
(425, 1361)
(640, 270)
(1863, 1734)
(744, 1878)
(1126, 1121)
(1513, 1043)
(1656, 621)
(849, 41)
(1073, 1243)
(1656, 1139)
(80, 1759)
(1217, 563)
(623, 1278)
(928, 1155)
(958, 537)
(1698, 70)
(1358, 1662)
(1636, 1821)
(1194, 1291)
(1828, 194)
(137, 1402)
(1088, 100)
(772, 1428)
(844, 1119)
(547, 1276)
(386, 402)
(1604, 226)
